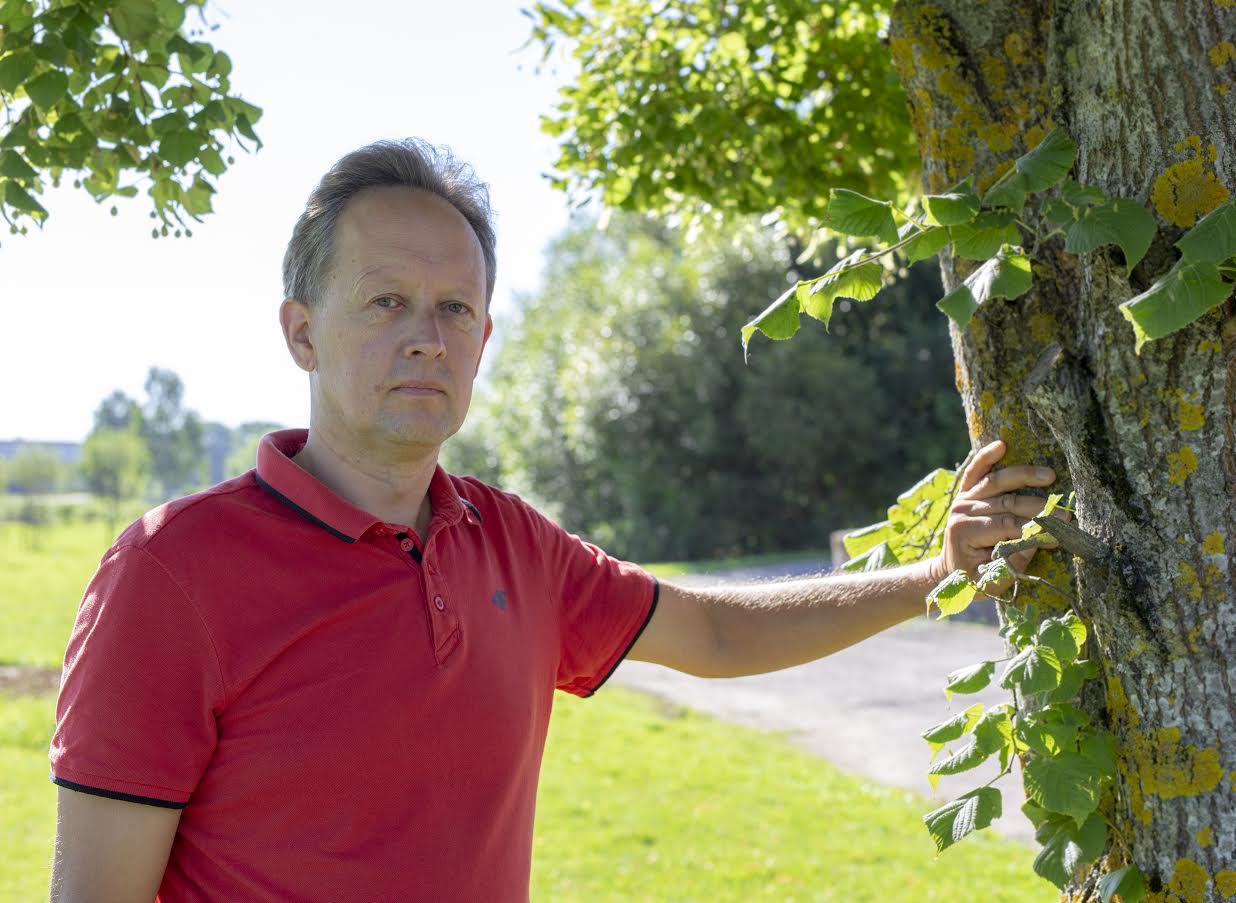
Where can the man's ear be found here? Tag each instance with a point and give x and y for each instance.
(489, 328)
(296, 318)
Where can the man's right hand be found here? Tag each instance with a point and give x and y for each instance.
(109, 851)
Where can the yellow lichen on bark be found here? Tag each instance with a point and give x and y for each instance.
(1187, 582)
(1189, 881)
(1180, 464)
(1156, 763)
(1213, 544)
(1225, 883)
(1223, 52)
(1185, 192)
(1205, 838)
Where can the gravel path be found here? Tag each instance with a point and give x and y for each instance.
(863, 709)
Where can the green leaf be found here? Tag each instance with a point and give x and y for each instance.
(197, 197)
(969, 680)
(14, 165)
(968, 813)
(1038, 168)
(48, 88)
(1127, 882)
(851, 213)
(1121, 222)
(957, 206)
(16, 68)
(982, 238)
(1046, 736)
(1067, 783)
(953, 729)
(1036, 669)
(1182, 296)
(777, 321)
(844, 280)
(857, 542)
(20, 199)
(952, 595)
(993, 572)
(1007, 275)
(994, 731)
(134, 20)
(928, 243)
(1063, 636)
(179, 147)
(971, 756)
(1214, 236)
(1100, 748)
(1079, 195)
(1066, 847)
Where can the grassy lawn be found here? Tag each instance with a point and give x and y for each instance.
(42, 575)
(640, 801)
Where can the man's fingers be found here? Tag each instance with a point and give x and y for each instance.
(1024, 506)
(1010, 479)
(984, 459)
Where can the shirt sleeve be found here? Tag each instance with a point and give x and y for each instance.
(604, 604)
(141, 685)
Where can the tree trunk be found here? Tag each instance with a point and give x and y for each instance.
(1147, 89)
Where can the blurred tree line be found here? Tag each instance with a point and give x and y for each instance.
(618, 400)
(146, 451)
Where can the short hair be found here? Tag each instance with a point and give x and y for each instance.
(409, 162)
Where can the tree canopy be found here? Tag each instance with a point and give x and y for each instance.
(119, 95)
(701, 110)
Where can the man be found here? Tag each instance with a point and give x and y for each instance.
(330, 678)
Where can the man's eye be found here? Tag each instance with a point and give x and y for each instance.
(386, 301)
(458, 307)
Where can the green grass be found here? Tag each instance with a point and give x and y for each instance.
(27, 797)
(664, 569)
(641, 801)
(43, 573)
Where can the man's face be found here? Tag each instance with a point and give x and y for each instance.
(395, 341)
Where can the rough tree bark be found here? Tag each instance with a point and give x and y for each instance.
(1147, 89)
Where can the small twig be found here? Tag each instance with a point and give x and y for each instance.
(1075, 540)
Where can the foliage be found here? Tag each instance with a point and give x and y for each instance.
(990, 230)
(615, 401)
(172, 432)
(123, 94)
(116, 465)
(34, 470)
(118, 412)
(695, 108)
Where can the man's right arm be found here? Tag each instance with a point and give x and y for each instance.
(109, 850)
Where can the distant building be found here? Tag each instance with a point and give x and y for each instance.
(68, 452)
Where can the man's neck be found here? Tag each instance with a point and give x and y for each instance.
(396, 490)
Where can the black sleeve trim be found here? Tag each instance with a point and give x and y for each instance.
(112, 794)
(656, 594)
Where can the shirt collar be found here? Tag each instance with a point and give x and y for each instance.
(283, 478)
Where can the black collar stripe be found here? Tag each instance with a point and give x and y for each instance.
(472, 508)
(303, 513)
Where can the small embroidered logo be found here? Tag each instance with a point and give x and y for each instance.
(500, 599)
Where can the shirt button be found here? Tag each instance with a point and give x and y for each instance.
(407, 545)
(438, 603)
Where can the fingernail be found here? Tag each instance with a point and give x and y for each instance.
(1046, 473)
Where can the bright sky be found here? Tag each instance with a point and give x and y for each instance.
(92, 302)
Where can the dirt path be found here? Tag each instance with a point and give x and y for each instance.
(863, 709)
(15, 681)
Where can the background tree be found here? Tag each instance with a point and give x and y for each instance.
(118, 412)
(35, 470)
(119, 95)
(1144, 435)
(245, 439)
(172, 432)
(616, 402)
(116, 466)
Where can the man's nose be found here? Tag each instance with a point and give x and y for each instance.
(424, 336)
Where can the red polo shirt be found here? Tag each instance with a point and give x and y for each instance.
(342, 711)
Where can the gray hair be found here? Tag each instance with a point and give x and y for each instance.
(410, 162)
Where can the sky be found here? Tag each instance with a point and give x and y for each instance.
(91, 302)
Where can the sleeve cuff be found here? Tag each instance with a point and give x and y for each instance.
(115, 794)
(656, 594)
